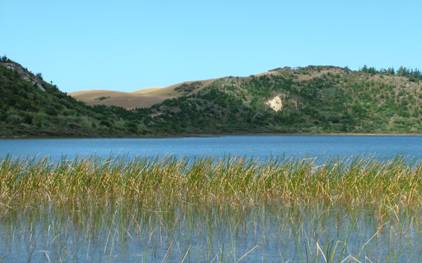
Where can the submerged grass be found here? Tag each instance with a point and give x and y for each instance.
(160, 183)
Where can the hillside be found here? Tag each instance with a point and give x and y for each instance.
(29, 106)
(143, 98)
(314, 99)
(127, 100)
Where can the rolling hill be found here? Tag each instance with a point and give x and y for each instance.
(313, 99)
(127, 100)
(143, 98)
(29, 106)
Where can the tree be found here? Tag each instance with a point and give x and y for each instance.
(402, 71)
(390, 71)
(39, 75)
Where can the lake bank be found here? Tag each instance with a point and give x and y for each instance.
(202, 135)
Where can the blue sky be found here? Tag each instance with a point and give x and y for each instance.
(127, 45)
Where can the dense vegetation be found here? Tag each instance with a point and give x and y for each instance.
(30, 106)
(315, 99)
(167, 182)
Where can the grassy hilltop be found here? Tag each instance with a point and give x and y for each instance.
(314, 99)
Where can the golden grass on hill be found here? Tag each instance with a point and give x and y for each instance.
(129, 100)
(391, 185)
(142, 98)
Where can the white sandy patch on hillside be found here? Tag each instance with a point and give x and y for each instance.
(275, 103)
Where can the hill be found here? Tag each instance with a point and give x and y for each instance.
(143, 98)
(314, 99)
(29, 106)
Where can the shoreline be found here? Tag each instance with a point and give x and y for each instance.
(206, 135)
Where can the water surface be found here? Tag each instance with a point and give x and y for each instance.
(128, 232)
(186, 234)
(260, 147)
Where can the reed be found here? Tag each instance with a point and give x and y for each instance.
(206, 210)
(160, 183)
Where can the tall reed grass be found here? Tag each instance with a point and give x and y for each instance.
(231, 210)
(385, 186)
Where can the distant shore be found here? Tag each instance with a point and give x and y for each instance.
(199, 135)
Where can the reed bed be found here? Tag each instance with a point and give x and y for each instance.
(207, 210)
(159, 183)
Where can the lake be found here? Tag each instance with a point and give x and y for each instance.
(260, 147)
(262, 234)
(75, 229)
